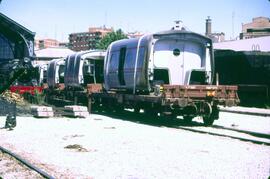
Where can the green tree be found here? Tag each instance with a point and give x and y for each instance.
(109, 38)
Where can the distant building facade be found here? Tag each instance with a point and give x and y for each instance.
(63, 44)
(87, 40)
(43, 56)
(103, 30)
(259, 27)
(216, 37)
(46, 43)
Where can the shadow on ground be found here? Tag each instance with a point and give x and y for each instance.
(142, 118)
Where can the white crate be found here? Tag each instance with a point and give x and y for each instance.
(41, 108)
(83, 114)
(76, 108)
(43, 113)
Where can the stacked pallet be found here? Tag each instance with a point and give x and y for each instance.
(42, 111)
(76, 111)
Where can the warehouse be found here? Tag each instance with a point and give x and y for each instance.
(245, 63)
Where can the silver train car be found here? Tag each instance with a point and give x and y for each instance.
(83, 68)
(55, 72)
(42, 69)
(175, 57)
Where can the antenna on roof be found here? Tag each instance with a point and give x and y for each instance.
(178, 25)
(233, 14)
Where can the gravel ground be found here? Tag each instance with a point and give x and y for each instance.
(12, 169)
(102, 147)
(245, 122)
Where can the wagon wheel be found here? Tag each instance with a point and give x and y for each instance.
(209, 118)
(90, 105)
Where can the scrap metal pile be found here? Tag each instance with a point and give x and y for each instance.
(13, 98)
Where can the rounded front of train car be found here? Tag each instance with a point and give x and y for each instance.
(180, 57)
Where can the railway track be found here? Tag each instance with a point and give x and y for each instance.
(256, 134)
(262, 113)
(195, 127)
(215, 130)
(261, 139)
(26, 164)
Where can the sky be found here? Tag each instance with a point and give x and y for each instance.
(58, 18)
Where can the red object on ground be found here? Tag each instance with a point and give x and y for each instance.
(26, 89)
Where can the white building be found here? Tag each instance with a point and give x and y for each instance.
(43, 56)
(255, 44)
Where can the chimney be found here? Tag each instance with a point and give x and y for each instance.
(208, 26)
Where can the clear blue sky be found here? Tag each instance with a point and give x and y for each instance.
(58, 18)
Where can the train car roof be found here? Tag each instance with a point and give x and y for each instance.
(94, 54)
(175, 32)
(133, 42)
(123, 42)
(130, 43)
(57, 60)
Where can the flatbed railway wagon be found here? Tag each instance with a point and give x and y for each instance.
(169, 73)
(68, 77)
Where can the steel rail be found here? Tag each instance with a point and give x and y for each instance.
(246, 112)
(26, 163)
(256, 134)
(225, 135)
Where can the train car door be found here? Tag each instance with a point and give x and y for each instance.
(168, 62)
(121, 64)
(179, 58)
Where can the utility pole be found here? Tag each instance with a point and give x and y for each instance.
(233, 14)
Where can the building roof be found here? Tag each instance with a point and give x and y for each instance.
(7, 22)
(253, 44)
(56, 52)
